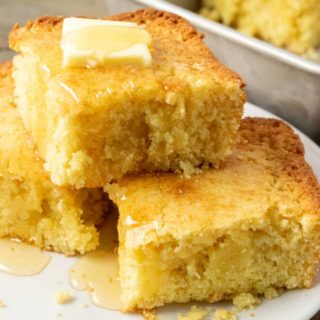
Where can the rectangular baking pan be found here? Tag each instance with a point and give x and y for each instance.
(277, 80)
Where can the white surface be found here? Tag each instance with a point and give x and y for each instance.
(33, 298)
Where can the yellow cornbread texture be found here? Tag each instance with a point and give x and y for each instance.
(222, 314)
(94, 125)
(64, 297)
(247, 300)
(243, 230)
(31, 207)
(149, 315)
(196, 313)
(292, 24)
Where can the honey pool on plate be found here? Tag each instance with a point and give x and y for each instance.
(21, 259)
(96, 272)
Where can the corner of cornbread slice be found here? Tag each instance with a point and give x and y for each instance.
(248, 228)
(94, 125)
(32, 208)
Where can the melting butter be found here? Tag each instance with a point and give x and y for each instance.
(98, 273)
(116, 38)
(92, 42)
(21, 259)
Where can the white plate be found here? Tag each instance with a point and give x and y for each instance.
(33, 298)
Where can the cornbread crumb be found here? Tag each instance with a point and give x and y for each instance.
(252, 314)
(290, 24)
(245, 301)
(63, 297)
(149, 315)
(271, 293)
(2, 305)
(95, 125)
(196, 313)
(222, 314)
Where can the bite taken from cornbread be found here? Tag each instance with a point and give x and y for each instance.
(96, 123)
(251, 227)
(32, 208)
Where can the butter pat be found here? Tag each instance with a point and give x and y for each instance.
(92, 42)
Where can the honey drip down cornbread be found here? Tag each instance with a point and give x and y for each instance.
(93, 125)
(292, 24)
(250, 227)
(31, 207)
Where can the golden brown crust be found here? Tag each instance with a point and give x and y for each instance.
(6, 83)
(287, 147)
(17, 33)
(269, 151)
(5, 69)
(274, 133)
(162, 19)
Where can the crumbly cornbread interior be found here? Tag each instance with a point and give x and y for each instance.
(32, 208)
(249, 228)
(290, 24)
(94, 125)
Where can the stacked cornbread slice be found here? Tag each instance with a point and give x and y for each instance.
(92, 125)
(32, 208)
(250, 227)
(207, 211)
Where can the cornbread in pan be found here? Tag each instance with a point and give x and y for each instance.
(290, 24)
(31, 207)
(248, 228)
(95, 125)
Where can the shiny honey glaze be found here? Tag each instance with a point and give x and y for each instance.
(21, 259)
(98, 271)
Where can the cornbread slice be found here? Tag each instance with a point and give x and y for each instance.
(31, 207)
(290, 24)
(94, 125)
(248, 228)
